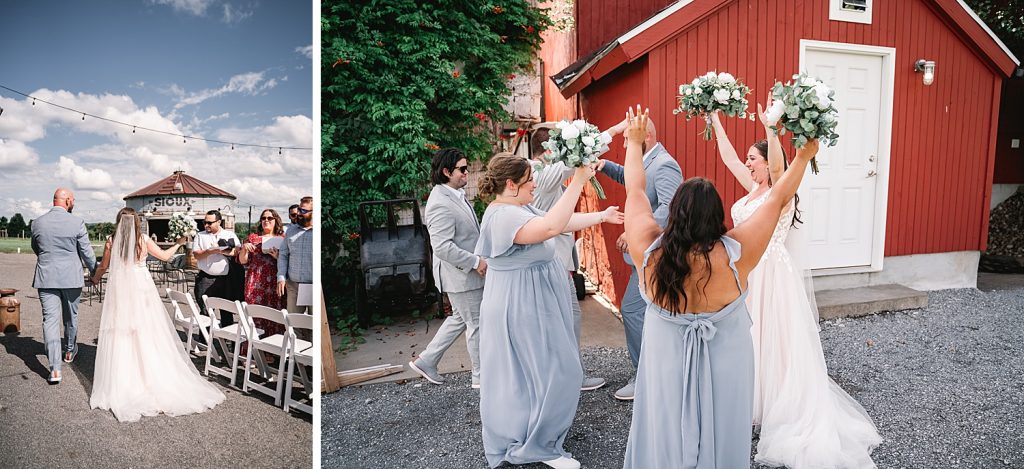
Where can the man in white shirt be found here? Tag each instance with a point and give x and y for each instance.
(212, 249)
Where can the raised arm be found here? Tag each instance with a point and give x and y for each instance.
(776, 166)
(729, 156)
(162, 254)
(755, 233)
(641, 228)
(541, 229)
(580, 221)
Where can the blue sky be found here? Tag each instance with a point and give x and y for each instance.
(227, 70)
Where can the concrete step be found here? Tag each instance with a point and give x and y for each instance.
(861, 301)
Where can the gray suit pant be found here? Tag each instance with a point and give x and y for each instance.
(633, 309)
(465, 317)
(59, 303)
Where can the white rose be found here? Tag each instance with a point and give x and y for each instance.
(580, 124)
(588, 141)
(689, 91)
(697, 91)
(561, 125)
(722, 96)
(710, 75)
(569, 134)
(682, 89)
(695, 82)
(774, 113)
(726, 77)
(823, 102)
(735, 94)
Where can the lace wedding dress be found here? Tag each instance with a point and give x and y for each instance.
(806, 420)
(142, 368)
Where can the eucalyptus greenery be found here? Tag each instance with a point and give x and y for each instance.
(806, 108)
(712, 92)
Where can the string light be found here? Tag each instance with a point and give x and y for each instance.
(135, 126)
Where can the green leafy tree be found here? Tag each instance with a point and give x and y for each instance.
(401, 79)
(1005, 18)
(17, 226)
(3, 223)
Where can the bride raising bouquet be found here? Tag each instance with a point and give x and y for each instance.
(713, 92)
(142, 368)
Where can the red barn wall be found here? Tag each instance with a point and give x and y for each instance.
(941, 160)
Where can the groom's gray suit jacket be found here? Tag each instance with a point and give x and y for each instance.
(663, 179)
(61, 244)
(454, 230)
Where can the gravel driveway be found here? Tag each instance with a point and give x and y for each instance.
(945, 386)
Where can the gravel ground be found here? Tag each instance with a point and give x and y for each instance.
(945, 386)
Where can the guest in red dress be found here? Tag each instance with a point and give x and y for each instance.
(259, 255)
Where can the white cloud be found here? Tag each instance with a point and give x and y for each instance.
(249, 83)
(263, 192)
(81, 178)
(101, 196)
(286, 131)
(16, 155)
(28, 208)
(234, 14)
(306, 51)
(195, 7)
(157, 162)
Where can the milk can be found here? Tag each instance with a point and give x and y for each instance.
(10, 311)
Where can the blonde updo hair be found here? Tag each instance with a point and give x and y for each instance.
(502, 167)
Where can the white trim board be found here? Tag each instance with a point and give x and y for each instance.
(888, 55)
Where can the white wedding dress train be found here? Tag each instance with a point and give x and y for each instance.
(142, 368)
(806, 420)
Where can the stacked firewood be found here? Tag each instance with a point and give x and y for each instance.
(1006, 236)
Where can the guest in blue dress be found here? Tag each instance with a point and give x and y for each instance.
(695, 382)
(530, 370)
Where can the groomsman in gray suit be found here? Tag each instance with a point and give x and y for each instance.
(454, 229)
(61, 244)
(663, 178)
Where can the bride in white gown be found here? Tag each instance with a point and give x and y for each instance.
(142, 368)
(806, 420)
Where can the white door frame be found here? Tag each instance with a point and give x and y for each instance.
(888, 55)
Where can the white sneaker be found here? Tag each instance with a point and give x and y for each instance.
(563, 463)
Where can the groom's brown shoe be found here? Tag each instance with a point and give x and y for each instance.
(70, 356)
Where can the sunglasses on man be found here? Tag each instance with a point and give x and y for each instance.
(464, 168)
(303, 211)
(208, 223)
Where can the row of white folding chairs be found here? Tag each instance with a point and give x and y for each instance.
(289, 348)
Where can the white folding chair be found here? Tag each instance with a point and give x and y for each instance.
(301, 353)
(218, 307)
(276, 344)
(193, 322)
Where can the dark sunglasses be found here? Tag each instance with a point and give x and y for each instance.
(303, 211)
(209, 222)
(266, 218)
(463, 168)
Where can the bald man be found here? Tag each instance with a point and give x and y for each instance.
(663, 178)
(61, 244)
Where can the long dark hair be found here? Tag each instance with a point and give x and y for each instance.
(762, 148)
(696, 221)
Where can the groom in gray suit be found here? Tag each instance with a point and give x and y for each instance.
(61, 244)
(454, 229)
(663, 178)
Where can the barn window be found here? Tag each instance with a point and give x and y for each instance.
(853, 11)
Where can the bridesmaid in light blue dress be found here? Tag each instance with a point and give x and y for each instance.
(695, 382)
(530, 370)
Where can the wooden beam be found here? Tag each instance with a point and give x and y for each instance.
(328, 369)
(346, 378)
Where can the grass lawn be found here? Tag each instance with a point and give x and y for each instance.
(11, 245)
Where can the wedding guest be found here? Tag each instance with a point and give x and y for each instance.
(213, 247)
(293, 215)
(805, 419)
(530, 370)
(695, 382)
(660, 187)
(458, 272)
(258, 254)
(295, 258)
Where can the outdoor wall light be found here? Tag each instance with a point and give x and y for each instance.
(928, 67)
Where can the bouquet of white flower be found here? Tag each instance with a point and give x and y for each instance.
(713, 92)
(805, 107)
(577, 143)
(180, 225)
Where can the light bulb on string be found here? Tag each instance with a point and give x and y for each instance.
(33, 101)
(232, 146)
(278, 150)
(83, 116)
(133, 129)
